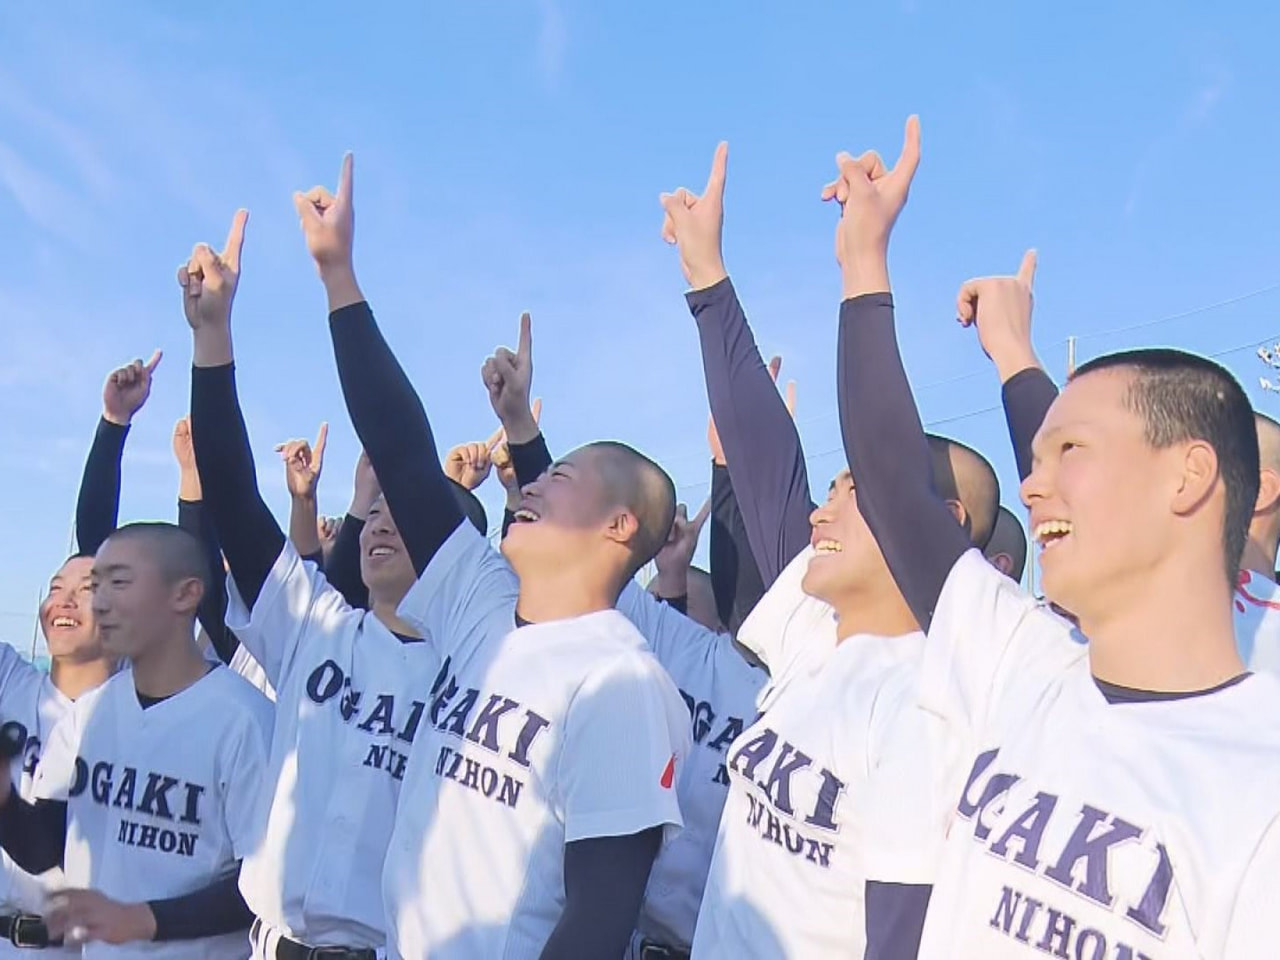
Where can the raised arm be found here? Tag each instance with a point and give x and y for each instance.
(303, 464)
(98, 504)
(883, 437)
(195, 519)
(385, 409)
(342, 569)
(1000, 309)
(251, 538)
(760, 441)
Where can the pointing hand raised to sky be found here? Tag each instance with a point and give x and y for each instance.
(871, 197)
(1000, 307)
(329, 220)
(127, 390)
(209, 280)
(695, 224)
(509, 379)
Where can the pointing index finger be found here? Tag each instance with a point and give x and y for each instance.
(524, 349)
(322, 438)
(719, 171)
(1027, 269)
(154, 361)
(703, 514)
(345, 185)
(235, 240)
(909, 159)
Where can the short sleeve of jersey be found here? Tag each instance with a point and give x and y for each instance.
(243, 771)
(625, 742)
(56, 773)
(788, 625)
(987, 637)
(465, 582)
(295, 599)
(1251, 934)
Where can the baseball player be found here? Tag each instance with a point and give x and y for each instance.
(718, 681)
(798, 848)
(1257, 597)
(1067, 835)
(32, 701)
(1007, 548)
(543, 773)
(351, 685)
(148, 827)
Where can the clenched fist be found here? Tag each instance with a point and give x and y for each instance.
(127, 390)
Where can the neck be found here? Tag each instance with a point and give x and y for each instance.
(547, 595)
(1168, 634)
(170, 667)
(1259, 555)
(74, 678)
(385, 611)
(877, 613)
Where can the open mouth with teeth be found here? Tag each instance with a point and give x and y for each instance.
(65, 623)
(377, 553)
(1050, 533)
(828, 546)
(525, 515)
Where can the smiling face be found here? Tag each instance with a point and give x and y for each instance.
(847, 558)
(561, 514)
(1100, 495)
(385, 565)
(66, 614)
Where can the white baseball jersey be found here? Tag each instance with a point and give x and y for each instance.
(537, 736)
(349, 699)
(831, 786)
(243, 663)
(1256, 606)
(160, 802)
(33, 705)
(719, 688)
(1083, 828)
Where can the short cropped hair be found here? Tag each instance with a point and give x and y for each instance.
(642, 487)
(1182, 397)
(177, 554)
(962, 474)
(1009, 538)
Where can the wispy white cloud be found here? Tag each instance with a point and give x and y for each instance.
(46, 202)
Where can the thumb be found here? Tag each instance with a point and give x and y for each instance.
(791, 398)
(537, 410)
(674, 204)
(306, 211)
(154, 362)
(775, 368)
(524, 349)
(1027, 270)
(967, 302)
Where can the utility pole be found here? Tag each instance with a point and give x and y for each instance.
(1071, 357)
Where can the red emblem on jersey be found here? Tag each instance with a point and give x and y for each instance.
(669, 774)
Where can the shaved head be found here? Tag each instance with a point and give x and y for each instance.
(963, 475)
(1008, 540)
(637, 484)
(176, 553)
(701, 599)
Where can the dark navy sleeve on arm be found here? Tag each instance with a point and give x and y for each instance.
(895, 919)
(392, 425)
(530, 460)
(34, 834)
(211, 911)
(342, 570)
(1027, 397)
(889, 456)
(212, 613)
(735, 578)
(250, 537)
(98, 505)
(761, 445)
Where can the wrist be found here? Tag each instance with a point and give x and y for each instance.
(521, 428)
(189, 487)
(140, 921)
(211, 346)
(865, 271)
(119, 420)
(307, 499)
(673, 583)
(1012, 362)
(707, 276)
(340, 285)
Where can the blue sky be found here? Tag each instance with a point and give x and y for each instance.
(509, 157)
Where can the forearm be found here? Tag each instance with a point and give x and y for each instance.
(889, 456)
(392, 425)
(304, 531)
(208, 912)
(1027, 397)
(530, 460)
(212, 612)
(98, 504)
(759, 438)
(735, 578)
(250, 537)
(34, 834)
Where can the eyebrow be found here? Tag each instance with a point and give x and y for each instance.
(112, 568)
(563, 465)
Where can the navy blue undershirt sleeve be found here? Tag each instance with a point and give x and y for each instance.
(212, 613)
(392, 425)
(604, 882)
(735, 578)
(342, 569)
(250, 537)
(1026, 396)
(530, 460)
(215, 909)
(98, 504)
(895, 919)
(34, 834)
(759, 438)
(889, 456)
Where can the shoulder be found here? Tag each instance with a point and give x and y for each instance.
(238, 697)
